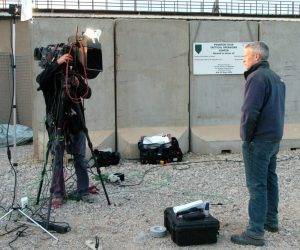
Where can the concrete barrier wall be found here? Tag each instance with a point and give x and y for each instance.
(152, 81)
(100, 109)
(216, 99)
(283, 39)
(23, 73)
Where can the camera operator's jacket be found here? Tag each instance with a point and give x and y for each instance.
(51, 82)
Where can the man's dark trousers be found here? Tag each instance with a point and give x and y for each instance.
(262, 183)
(77, 149)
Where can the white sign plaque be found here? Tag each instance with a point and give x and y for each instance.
(218, 58)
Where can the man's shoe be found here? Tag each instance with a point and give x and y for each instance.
(243, 239)
(87, 198)
(272, 229)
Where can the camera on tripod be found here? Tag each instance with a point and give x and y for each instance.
(85, 50)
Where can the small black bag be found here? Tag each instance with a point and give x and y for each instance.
(154, 153)
(106, 158)
(191, 232)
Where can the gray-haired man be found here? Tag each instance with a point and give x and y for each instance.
(261, 131)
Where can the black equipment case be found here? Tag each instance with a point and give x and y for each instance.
(154, 153)
(187, 232)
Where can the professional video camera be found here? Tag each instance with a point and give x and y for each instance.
(85, 50)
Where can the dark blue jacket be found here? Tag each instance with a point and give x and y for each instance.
(263, 107)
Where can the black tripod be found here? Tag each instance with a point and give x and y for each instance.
(58, 135)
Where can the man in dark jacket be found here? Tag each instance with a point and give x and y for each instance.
(261, 131)
(65, 124)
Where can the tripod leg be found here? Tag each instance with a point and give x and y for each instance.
(49, 210)
(97, 165)
(32, 220)
(57, 183)
(6, 214)
(85, 130)
(43, 174)
(102, 183)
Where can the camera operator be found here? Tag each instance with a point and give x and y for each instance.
(68, 130)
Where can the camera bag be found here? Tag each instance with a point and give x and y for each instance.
(154, 153)
(106, 158)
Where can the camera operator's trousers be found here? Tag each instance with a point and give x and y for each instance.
(77, 147)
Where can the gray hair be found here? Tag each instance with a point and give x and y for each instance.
(261, 48)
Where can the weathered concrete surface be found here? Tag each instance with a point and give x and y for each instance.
(291, 136)
(223, 103)
(216, 99)
(100, 139)
(22, 37)
(23, 72)
(152, 80)
(100, 109)
(215, 139)
(283, 39)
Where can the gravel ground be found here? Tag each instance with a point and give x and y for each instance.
(126, 223)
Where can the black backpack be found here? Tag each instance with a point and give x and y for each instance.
(155, 153)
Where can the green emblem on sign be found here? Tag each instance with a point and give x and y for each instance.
(198, 48)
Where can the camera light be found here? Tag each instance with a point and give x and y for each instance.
(92, 34)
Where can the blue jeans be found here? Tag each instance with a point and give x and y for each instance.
(262, 183)
(77, 148)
